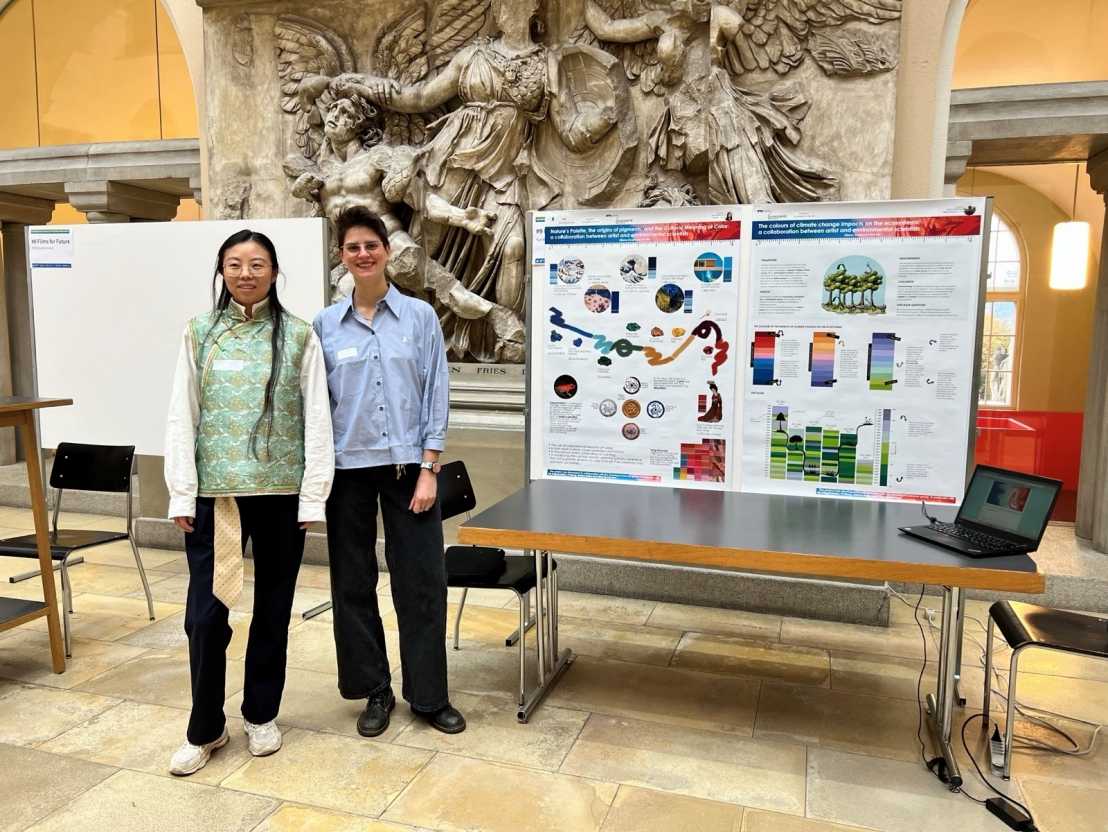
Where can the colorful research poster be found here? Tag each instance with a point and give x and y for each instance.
(634, 321)
(859, 343)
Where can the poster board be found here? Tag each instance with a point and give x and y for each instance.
(109, 304)
(846, 359)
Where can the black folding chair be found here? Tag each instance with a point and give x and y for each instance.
(485, 567)
(82, 468)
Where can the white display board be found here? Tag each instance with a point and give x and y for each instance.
(110, 302)
(824, 349)
(634, 316)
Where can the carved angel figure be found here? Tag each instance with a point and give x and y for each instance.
(482, 155)
(343, 162)
(753, 158)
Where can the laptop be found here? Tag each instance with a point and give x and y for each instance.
(1002, 513)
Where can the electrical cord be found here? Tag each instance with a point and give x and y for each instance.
(919, 681)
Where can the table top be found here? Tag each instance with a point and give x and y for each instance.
(760, 532)
(12, 404)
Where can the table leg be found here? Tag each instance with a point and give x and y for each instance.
(551, 665)
(940, 708)
(959, 639)
(29, 438)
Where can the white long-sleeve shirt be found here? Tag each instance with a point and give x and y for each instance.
(184, 419)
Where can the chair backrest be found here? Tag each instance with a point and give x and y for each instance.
(455, 490)
(92, 467)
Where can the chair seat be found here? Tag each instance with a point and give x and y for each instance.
(513, 572)
(68, 540)
(1024, 625)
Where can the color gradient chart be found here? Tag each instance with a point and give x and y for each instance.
(703, 461)
(882, 361)
(821, 359)
(762, 354)
(817, 453)
(886, 443)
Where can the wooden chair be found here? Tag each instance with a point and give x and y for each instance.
(77, 467)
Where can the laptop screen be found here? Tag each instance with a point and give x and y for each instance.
(1009, 502)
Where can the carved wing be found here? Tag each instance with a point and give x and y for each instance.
(777, 34)
(416, 44)
(306, 49)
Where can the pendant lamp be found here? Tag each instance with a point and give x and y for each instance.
(1069, 250)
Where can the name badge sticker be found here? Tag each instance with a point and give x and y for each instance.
(228, 365)
(349, 352)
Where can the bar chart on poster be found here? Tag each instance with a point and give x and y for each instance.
(819, 350)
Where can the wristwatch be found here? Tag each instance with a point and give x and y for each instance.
(433, 467)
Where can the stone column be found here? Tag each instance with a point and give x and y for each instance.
(1092, 490)
(16, 357)
(106, 201)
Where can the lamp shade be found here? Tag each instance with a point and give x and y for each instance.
(1069, 256)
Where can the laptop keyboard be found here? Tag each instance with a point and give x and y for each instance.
(979, 539)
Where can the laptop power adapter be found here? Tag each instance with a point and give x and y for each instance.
(1010, 814)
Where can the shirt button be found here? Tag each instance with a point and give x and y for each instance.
(384, 433)
(378, 383)
(381, 407)
(375, 358)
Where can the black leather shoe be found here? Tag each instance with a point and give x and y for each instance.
(448, 720)
(374, 720)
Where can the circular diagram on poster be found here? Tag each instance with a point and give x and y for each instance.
(607, 407)
(565, 387)
(630, 431)
(571, 270)
(633, 268)
(655, 409)
(598, 298)
(708, 267)
(631, 386)
(669, 297)
(631, 408)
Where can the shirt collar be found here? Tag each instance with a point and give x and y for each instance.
(392, 301)
(238, 311)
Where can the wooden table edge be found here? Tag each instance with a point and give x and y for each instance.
(794, 563)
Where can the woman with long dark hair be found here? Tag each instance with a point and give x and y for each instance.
(249, 455)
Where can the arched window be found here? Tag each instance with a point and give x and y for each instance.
(999, 344)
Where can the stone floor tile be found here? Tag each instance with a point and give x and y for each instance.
(647, 810)
(333, 772)
(23, 519)
(626, 642)
(661, 694)
(109, 617)
(865, 724)
(170, 589)
(755, 820)
(1080, 698)
(160, 677)
(169, 634)
(488, 671)
(686, 618)
(293, 818)
(311, 701)
(493, 733)
(307, 597)
(1090, 770)
(1055, 663)
(142, 737)
(101, 579)
(897, 678)
(119, 554)
(25, 656)
(312, 647)
(745, 657)
(692, 762)
(132, 801)
(859, 638)
(482, 627)
(605, 607)
(455, 793)
(891, 795)
(30, 714)
(314, 575)
(36, 784)
(1066, 807)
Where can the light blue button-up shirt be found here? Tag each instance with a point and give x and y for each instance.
(389, 381)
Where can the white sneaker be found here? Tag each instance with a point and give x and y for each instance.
(189, 758)
(264, 739)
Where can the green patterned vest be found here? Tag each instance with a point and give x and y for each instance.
(233, 360)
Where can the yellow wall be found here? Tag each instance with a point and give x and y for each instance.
(1005, 42)
(1055, 328)
(92, 71)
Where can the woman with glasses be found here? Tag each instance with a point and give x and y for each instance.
(387, 372)
(249, 455)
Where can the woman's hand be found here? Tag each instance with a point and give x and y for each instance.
(184, 523)
(426, 489)
(305, 525)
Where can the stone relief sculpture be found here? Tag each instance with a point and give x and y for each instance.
(453, 118)
(474, 169)
(754, 133)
